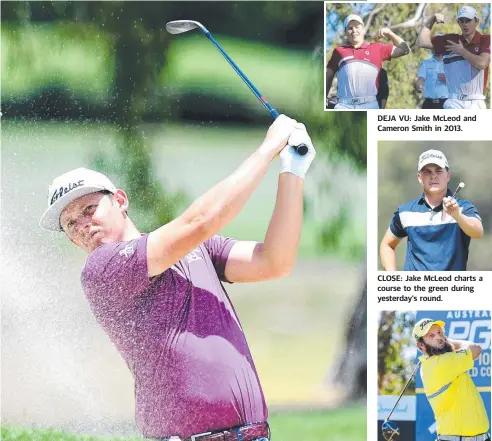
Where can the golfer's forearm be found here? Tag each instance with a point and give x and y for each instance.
(388, 257)
(424, 38)
(279, 248)
(471, 226)
(475, 348)
(397, 41)
(420, 84)
(479, 61)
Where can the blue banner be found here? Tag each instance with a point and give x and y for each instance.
(460, 325)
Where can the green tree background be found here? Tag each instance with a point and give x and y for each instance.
(396, 360)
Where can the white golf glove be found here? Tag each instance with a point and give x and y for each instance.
(290, 160)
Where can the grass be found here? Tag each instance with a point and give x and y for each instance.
(347, 424)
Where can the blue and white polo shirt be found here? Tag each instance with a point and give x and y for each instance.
(435, 240)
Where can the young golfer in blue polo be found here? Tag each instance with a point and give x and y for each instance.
(438, 225)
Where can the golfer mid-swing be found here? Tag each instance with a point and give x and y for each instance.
(457, 405)
(160, 299)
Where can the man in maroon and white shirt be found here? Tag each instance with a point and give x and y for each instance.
(466, 59)
(160, 297)
(359, 65)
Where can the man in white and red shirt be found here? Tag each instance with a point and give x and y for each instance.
(466, 59)
(359, 65)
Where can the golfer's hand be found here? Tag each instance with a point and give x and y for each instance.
(438, 18)
(455, 48)
(290, 160)
(278, 135)
(451, 206)
(382, 33)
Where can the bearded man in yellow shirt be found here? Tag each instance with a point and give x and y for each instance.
(458, 407)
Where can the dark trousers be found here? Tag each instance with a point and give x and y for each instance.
(431, 103)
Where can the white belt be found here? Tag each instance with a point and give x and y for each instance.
(360, 100)
(481, 437)
(463, 97)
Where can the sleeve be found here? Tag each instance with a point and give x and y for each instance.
(117, 270)
(422, 70)
(218, 248)
(385, 51)
(468, 209)
(334, 60)
(452, 364)
(396, 227)
(485, 44)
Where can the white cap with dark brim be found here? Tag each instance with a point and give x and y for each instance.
(352, 17)
(68, 187)
(432, 157)
(467, 12)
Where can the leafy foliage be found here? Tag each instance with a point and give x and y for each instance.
(394, 365)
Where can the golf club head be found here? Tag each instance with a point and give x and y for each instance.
(181, 26)
(391, 431)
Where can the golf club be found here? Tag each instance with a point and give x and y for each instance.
(458, 189)
(460, 186)
(390, 430)
(181, 26)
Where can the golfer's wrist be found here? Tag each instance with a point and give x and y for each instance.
(269, 149)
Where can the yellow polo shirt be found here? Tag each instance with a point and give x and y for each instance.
(457, 405)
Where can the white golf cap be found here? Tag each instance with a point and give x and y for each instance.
(432, 157)
(467, 12)
(351, 17)
(423, 326)
(68, 187)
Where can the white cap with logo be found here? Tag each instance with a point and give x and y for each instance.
(467, 12)
(432, 157)
(68, 187)
(351, 17)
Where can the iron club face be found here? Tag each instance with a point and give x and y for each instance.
(181, 26)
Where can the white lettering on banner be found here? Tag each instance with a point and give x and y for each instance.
(467, 314)
(477, 331)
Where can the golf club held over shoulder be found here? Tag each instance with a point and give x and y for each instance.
(181, 26)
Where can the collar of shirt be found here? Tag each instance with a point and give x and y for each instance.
(437, 208)
(362, 46)
(475, 40)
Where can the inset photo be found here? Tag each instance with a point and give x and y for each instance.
(434, 205)
(407, 56)
(434, 375)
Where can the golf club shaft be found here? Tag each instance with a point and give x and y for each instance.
(454, 194)
(401, 394)
(457, 191)
(301, 149)
(256, 92)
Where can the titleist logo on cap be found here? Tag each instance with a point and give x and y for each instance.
(430, 155)
(424, 323)
(64, 190)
